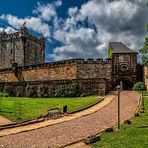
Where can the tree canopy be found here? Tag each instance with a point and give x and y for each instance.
(144, 50)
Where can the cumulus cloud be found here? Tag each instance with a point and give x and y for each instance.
(47, 11)
(87, 31)
(8, 30)
(120, 20)
(78, 43)
(58, 3)
(37, 23)
(33, 23)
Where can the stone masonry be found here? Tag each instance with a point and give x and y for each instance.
(87, 74)
(62, 70)
(22, 48)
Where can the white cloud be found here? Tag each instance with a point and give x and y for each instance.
(121, 20)
(46, 12)
(33, 23)
(72, 11)
(43, 13)
(78, 43)
(8, 30)
(58, 3)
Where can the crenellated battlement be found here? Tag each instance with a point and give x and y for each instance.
(71, 61)
(18, 35)
(7, 37)
(64, 63)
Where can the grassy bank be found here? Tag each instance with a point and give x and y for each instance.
(22, 109)
(130, 136)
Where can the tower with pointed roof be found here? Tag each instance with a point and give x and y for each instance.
(124, 65)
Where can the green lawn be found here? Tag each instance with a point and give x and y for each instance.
(130, 136)
(23, 109)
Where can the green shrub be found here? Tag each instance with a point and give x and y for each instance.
(31, 91)
(43, 92)
(60, 91)
(71, 90)
(7, 90)
(85, 94)
(137, 86)
(4, 95)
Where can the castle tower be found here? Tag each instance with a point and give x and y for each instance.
(124, 65)
(22, 48)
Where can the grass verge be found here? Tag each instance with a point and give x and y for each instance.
(129, 136)
(24, 109)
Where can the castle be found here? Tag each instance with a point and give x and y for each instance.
(22, 63)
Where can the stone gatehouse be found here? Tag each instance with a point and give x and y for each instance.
(22, 63)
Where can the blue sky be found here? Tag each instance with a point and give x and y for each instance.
(63, 24)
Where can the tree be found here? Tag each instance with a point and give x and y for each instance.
(144, 50)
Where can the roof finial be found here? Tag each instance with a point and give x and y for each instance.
(24, 28)
(24, 24)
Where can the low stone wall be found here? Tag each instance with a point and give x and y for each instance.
(86, 86)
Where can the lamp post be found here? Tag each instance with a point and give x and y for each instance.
(118, 91)
(142, 88)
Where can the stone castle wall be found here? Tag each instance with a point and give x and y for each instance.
(94, 70)
(62, 70)
(87, 73)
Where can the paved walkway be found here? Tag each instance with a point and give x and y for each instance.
(64, 133)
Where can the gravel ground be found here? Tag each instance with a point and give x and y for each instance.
(71, 131)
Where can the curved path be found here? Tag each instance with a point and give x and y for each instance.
(74, 130)
(68, 117)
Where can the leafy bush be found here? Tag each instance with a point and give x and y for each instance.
(31, 91)
(43, 92)
(71, 90)
(7, 90)
(60, 91)
(4, 95)
(85, 94)
(137, 86)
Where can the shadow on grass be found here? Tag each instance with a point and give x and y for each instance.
(1, 111)
(143, 126)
